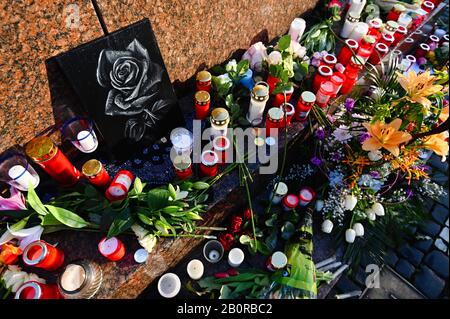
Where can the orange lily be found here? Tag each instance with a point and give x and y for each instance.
(385, 136)
(9, 254)
(438, 144)
(444, 114)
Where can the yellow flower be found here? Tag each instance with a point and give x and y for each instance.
(419, 87)
(438, 144)
(385, 136)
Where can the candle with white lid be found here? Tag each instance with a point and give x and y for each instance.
(23, 177)
(297, 29)
(169, 285)
(88, 142)
(195, 269)
(235, 257)
(360, 30)
(350, 23)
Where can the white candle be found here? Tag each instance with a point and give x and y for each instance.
(349, 24)
(356, 7)
(235, 257)
(404, 20)
(360, 30)
(22, 177)
(296, 29)
(260, 95)
(280, 190)
(195, 269)
(87, 140)
(169, 285)
(73, 277)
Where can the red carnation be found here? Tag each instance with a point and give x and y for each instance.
(247, 214)
(236, 224)
(227, 241)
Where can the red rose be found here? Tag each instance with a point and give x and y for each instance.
(236, 224)
(227, 241)
(247, 214)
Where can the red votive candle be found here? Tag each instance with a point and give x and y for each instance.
(120, 185)
(272, 82)
(279, 98)
(324, 94)
(349, 83)
(354, 66)
(304, 105)
(428, 6)
(37, 290)
(289, 111)
(182, 165)
(306, 195)
(323, 74)
(48, 156)
(338, 80)
(203, 81)
(399, 34)
(274, 120)
(387, 39)
(202, 104)
(380, 51)
(221, 144)
(422, 50)
(366, 47)
(290, 202)
(96, 174)
(346, 51)
(329, 60)
(111, 248)
(374, 28)
(208, 165)
(395, 12)
(42, 255)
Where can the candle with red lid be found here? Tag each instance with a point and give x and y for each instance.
(289, 111)
(329, 60)
(387, 39)
(380, 51)
(37, 290)
(304, 105)
(221, 145)
(422, 50)
(323, 74)
(374, 28)
(182, 165)
(399, 35)
(120, 185)
(290, 202)
(306, 196)
(111, 248)
(96, 174)
(208, 165)
(279, 98)
(42, 255)
(274, 120)
(346, 51)
(338, 80)
(324, 94)
(203, 81)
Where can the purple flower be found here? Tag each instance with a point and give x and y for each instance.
(336, 157)
(409, 193)
(375, 174)
(315, 62)
(316, 161)
(320, 133)
(349, 104)
(363, 137)
(421, 61)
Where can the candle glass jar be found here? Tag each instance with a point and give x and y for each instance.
(289, 111)
(388, 39)
(41, 254)
(324, 94)
(428, 6)
(221, 145)
(374, 28)
(279, 97)
(182, 165)
(406, 44)
(354, 66)
(329, 60)
(111, 248)
(323, 74)
(80, 132)
(203, 81)
(290, 202)
(349, 25)
(36, 290)
(380, 51)
(182, 141)
(306, 196)
(48, 156)
(360, 30)
(202, 103)
(274, 121)
(390, 27)
(258, 100)
(120, 185)
(304, 105)
(366, 47)
(351, 47)
(80, 280)
(399, 35)
(208, 165)
(17, 172)
(338, 80)
(96, 174)
(213, 251)
(219, 122)
(350, 81)
(422, 50)
(279, 191)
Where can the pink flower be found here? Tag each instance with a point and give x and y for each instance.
(334, 3)
(15, 202)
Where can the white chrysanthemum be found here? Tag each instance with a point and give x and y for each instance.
(342, 134)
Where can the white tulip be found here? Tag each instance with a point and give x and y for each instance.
(359, 229)
(350, 235)
(275, 57)
(327, 226)
(375, 155)
(350, 202)
(371, 214)
(224, 78)
(378, 209)
(319, 205)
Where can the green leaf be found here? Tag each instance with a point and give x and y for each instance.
(145, 219)
(90, 192)
(122, 222)
(242, 67)
(162, 227)
(158, 198)
(200, 185)
(193, 216)
(284, 42)
(172, 191)
(66, 217)
(49, 220)
(20, 224)
(138, 187)
(171, 209)
(35, 203)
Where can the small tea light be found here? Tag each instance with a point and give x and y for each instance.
(307, 194)
(280, 190)
(169, 285)
(297, 29)
(235, 257)
(195, 269)
(277, 261)
(140, 256)
(73, 277)
(182, 141)
(80, 131)
(290, 202)
(213, 251)
(111, 248)
(16, 171)
(23, 177)
(80, 280)
(203, 81)
(208, 165)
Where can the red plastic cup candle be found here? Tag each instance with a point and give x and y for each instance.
(290, 202)
(306, 195)
(380, 51)
(349, 83)
(346, 51)
(366, 47)
(37, 290)
(279, 98)
(289, 111)
(272, 82)
(120, 185)
(96, 174)
(208, 165)
(374, 28)
(411, 60)
(221, 145)
(329, 60)
(399, 35)
(395, 12)
(203, 81)
(48, 156)
(428, 6)
(390, 27)
(304, 105)
(387, 39)
(324, 94)
(422, 50)
(338, 80)
(42, 255)
(111, 248)
(278, 260)
(323, 74)
(182, 165)
(202, 105)
(354, 66)
(274, 120)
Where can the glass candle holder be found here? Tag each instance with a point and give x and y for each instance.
(439, 33)
(272, 82)
(48, 156)
(258, 100)
(279, 191)
(111, 248)
(221, 145)
(37, 290)
(120, 185)
(412, 61)
(422, 50)
(374, 28)
(324, 94)
(404, 65)
(290, 202)
(338, 80)
(274, 121)
(356, 7)
(404, 20)
(323, 74)
(304, 105)
(203, 81)
(202, 103)
(96, 174)
(16, 171)
(350, 81)
(213, 251)
(220, 118)
(247, 79)
(346, 52)
(380, 51)
(360, 30)
(278, 260)
(388, 39)
(80, 280)
(208, 165)
(289, 111)
(169, 285)
(80, 132)
(182, 141)
(349, 25)
(366, 47)
(235, 257)
(183, 166)
(41, 254)
(399, 35)
(279, 98)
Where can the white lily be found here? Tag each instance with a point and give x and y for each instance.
(359, 229)
(350, 202)
(327, 226)
(231, 66)
(25, 235)
(350, 235)
(14, 277)
(146, 240)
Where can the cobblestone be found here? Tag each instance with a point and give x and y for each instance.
(430, 228)
(391, 258)
(444, 200)
(439, 244)
(438, 262)
(346, 285)
(440, 178)
(423, 245)
(429, 283)
(436, 162)
(444, 234)
(405, 269)
(440, 213)
(413, 255)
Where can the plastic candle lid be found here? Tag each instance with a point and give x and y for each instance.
(308, 97)
(108, 246)
(91, 167)
(209, 158)
(260, 91)
(182, 162)
(369, 39)
(203, 76)
(411, 58)
(325, 70)
(375, 23)
(281, 189)
(220, 116)
(424, 46)
(327, 86)
(392, 24)
(275, 113)
(382, 47)
(236, 256)
(202, 96)
(259, 141)
(140, 256)
(279, 259)
(306, 194)
(434, 38)
(330, 58)
(401, 29)
(291, 201)
(169, 285)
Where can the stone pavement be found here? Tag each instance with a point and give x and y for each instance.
(424, 262)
